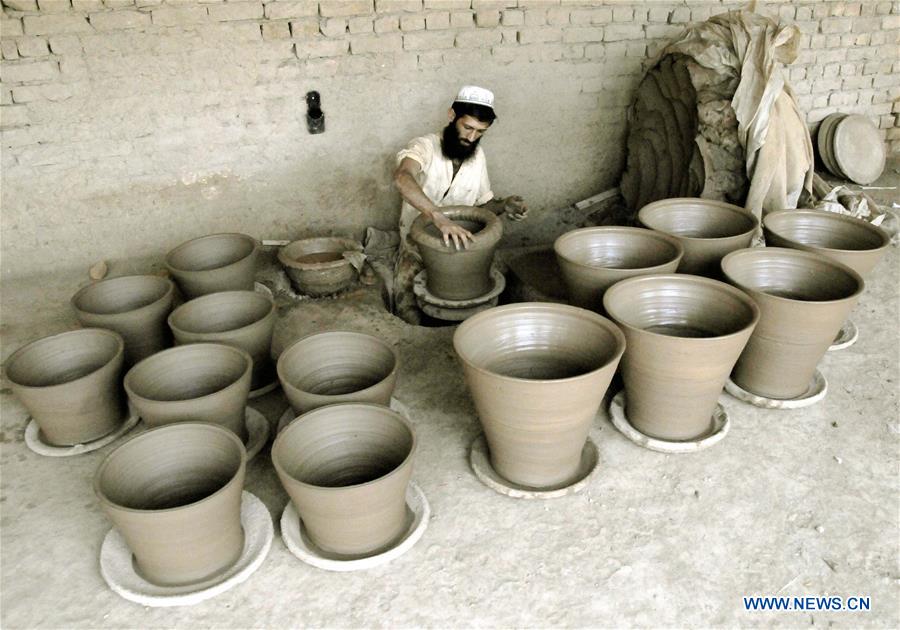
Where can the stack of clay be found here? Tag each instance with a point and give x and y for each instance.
(851, 148)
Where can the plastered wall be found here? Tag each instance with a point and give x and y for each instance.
(128, 126)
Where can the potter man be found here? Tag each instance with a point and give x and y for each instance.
(442, 171)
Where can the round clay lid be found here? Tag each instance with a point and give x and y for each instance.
(858, 149)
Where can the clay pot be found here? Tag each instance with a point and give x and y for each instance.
(854, 242)
(317, 266)
(69, 383)
(707, 230)
(219, 262)
(537, 373)
(201, 382)
(684, 334)
(593, 259)
(346, 468)
(459, 274)
(804, 299)
(174, 494)
(134, 306)
(243, 319)
(334, 367)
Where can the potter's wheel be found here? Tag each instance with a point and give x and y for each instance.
(847, 336)
(456, 310)
(117, 566)
(35, 440)
(720, 426)
(294, 535)
(289, 416)
(816, 391)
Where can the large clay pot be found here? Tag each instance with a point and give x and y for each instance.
(537, 373)
(243, 319)
(707, 230)
(804, 299)
(593, 259)
(317, 266)
(465, 273)
(334, 367)
(346, 468)
(218, 262)
(174, 494)
(684, 334)
(854, 242)
(69, 383)
(134, 306)
(200, 382)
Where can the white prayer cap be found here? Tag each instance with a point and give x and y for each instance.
(475, 95)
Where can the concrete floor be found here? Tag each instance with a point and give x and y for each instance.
(791, 503)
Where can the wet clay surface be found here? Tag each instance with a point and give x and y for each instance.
(791, 502)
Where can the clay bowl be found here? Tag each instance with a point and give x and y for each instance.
(335, 367)
(134, 306)
(243, 319)
(346, 468)
(459, 274)
(593, 259)
(317, 266)
(174, 494)
(684, 334)
(537, 373)
(69, 383)
(200, 382)
(804, 299)
(218, 262)
(854, 242)
(707, 230)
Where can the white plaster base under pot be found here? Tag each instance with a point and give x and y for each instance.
(816, 391)
(259, 287)
(721, 424)
(289, 416)
(257, 431)
(34, 439)
(480, 460)
(456, 310)
(117, 564)
(298, 543)
(265, 389)
(847, 336)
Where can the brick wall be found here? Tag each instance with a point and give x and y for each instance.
(130, 125)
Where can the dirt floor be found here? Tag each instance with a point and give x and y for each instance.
(791, 503)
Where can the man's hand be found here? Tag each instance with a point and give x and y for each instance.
(514, 208)
(449, 230)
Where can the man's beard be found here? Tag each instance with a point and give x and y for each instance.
(453, 148)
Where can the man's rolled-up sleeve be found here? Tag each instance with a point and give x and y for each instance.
(418, 149)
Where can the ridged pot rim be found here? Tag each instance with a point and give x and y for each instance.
(618, 229)
(101, 496)
(120, 350)
(604, 322)
(281, 360)
(221, 235)
(798, 253)
(484, 239)
(347, 244)
(710, 203)
(210, 297)
(190, 347)
(828, 216)
(689, 279)
(328, 409)
(170, 290)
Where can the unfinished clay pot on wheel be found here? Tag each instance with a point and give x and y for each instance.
(537, 373)
(707, 230)
(134, 306)
(218, 262)
(69, 383)
(346, 468)
(243, 319)
(201, 382)
(174, 494)
(593, 259)
(334, 367)
(854, 242)
(318, 266)
(804, 299)
(460, 274)
(684, 334)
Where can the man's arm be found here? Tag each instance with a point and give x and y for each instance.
(512, 207)
(405, 180)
